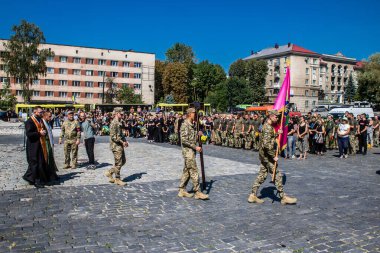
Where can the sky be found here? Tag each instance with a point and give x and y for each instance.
(218, 31)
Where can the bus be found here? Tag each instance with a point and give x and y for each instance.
(28, 107)
(181, 108)
(126, 107)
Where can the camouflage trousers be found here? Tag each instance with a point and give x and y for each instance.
(120, 160)
(70, 149)
(376, 140)
(224, 138)
(217, 137)
(267, 167)
(329, 140)
(190, 171)
(248, 140)
(230, 140)
(353, 145)
(256, 139)
(237, 139)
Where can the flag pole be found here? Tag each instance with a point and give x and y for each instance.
(278, 146)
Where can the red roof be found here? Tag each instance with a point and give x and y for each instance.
(359, 64)
(299, 49)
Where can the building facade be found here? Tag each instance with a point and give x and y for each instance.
(314, 77)
(79, 74)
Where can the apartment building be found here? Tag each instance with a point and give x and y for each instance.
(79, 73)
(314, 76)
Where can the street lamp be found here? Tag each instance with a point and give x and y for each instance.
(104, 74)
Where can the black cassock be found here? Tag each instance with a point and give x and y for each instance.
(37, 169)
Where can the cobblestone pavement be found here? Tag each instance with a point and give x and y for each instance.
(338, 209)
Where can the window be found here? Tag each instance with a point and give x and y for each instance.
(314, 82)
(124, 85)
(36, 82)
(89, 95)
(102, 62)
(284, 70)
(114, 63)
(315, 61)
(76, 72)
(1, 66)
(114, 85)
(136, 75)
(307, 60)
(62, 94)
(101, 73)
(125, 75)
(18, 92)
(63, 71)
(114, 74)
(36, 93)
(100, 95)
(306, 103)
(89, 72)
(137, 86)
(270, 83)
(306, 93)
(126, 64)
(306, 81)
(314, 71)
(89, 61)
(49, 82)
(76, 94)
(49, 93)
(50, 70)
(3, 80)
(63, 82)
(307, 71)
(313, 103)
(76, 60)
(89, 84)
(76, 83)
(63, 59)
(100, 84)
(313, 93)
(285, 59)
(270, 62)
(137, 64)
(18, 80)
(50, 58)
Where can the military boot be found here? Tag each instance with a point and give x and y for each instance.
(200, 195)
(119, 182)
(254, 199)
(184, 194)
(108, 174)
(286, 200)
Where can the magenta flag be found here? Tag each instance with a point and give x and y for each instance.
(281, 105)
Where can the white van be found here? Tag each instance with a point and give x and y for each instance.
(339, 112)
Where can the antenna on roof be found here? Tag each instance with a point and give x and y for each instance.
(289, 44)
(276, 46)
(252, 52)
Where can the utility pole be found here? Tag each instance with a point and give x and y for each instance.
(104, 74)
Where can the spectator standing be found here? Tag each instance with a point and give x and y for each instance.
(343, 137)
(370, 133)
(88, 128)
(302, 132)
(319, 140)
(291, 144)
(363, 125)
(376, 131)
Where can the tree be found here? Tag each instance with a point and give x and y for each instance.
(369, 80)
(111, 91)
(126, 95)
(23, 58)
(206, 77)
(180, 53)
(7, 99)
(321, 94)
(350, 90)
(237, 69)
(256, 73)
(169, 99)
(158, 76)
(176, 82)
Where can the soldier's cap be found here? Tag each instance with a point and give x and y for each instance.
(190, 110)
(344, 118)
(70, 112)
(118, 109)
(273, 112)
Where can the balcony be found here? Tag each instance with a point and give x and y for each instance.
(277, 74)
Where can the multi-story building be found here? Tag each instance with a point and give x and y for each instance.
(312, 75)
(80, 73)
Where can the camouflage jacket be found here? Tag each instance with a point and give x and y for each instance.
(239, 125)
(70, 130)
(116, 135)
(188, 137)
(267, 142)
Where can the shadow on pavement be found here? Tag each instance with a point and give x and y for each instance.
(270, 192)
(134, 177)
(101, 165)
(378, 172)
(208, 186)
(68, 176)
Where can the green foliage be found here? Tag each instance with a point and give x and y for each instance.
(238, 69)
(7, 99)
(158, 77)
(176, 81)
(126, 95)
(23, 58)
(110, 93)
(169, 99)
(350, 90)
(180, 53)
(369, 81)
(256, 72)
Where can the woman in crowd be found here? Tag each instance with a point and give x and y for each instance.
(303, 139)
(343, 138)
(319, 139)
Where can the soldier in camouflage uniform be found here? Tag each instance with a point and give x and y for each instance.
(330, 132)
(189, 147)
(238, 131)
(230, 131)
(70, 133)
(268, 158)
(118, 143)
(256, 131)
(223, 129)
(353, 140)
(217, 125)
(247, 132)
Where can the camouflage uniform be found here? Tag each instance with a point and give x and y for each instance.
(224, 132)
(247, 134)
(217, 137)
(70, 133)
(230, 133)
(238, 132)
(117, 139)
(256, 136)
(330, 131)
(376, 133)
(353, 145)
(188, 141)
(267, 152)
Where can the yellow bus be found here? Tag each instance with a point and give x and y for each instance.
(181, 108)
(27, 107)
